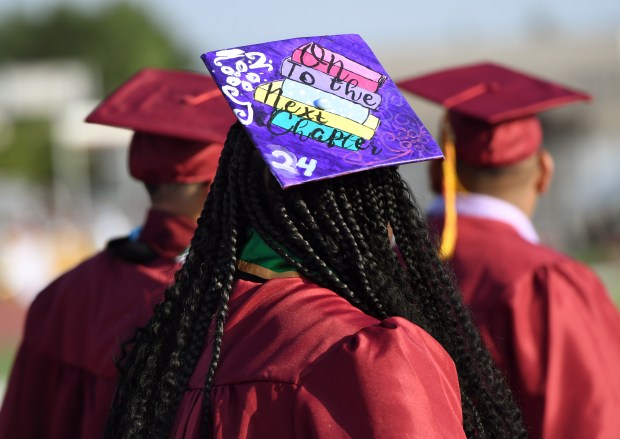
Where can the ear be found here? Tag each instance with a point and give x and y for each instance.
(435, 175)
(546, 168)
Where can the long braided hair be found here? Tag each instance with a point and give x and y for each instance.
(335, 233)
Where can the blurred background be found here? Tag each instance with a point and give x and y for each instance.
(64, 188)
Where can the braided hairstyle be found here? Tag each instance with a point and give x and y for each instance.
(335, 233)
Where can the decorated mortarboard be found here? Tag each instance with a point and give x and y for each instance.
(491, 109)
(180, 121)
(319, 107)
(169, 103)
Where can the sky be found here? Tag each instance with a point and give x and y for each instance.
(203, 25)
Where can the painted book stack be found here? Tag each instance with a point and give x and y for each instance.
(324, 91)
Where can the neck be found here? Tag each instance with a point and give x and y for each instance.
(186, 211)
(520, 199)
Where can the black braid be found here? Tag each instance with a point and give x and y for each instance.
(155, 342)
(460, 338)
(313, 267)
(334, 233)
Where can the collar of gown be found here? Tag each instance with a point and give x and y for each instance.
(488, 207)
(167, 234)
(258, 259)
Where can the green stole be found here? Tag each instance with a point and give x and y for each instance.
(258, 259)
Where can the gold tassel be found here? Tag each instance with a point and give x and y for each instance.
(450, 186)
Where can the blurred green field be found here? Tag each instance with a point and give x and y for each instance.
(610, 275)
(6, 361)
(605, 261)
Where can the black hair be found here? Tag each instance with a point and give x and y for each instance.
(335, 233)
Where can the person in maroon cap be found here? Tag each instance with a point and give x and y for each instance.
(64, 375)
(546, 318)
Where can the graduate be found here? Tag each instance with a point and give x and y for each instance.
(293, 316)
(547, 319)
(64, 376)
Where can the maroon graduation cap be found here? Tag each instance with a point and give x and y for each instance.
(180, 121)
(492, 109)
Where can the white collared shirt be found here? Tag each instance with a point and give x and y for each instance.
(488, 207)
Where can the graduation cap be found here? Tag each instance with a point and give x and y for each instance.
(180, 121)
(319, 107)
(491, 120)
(492, 109)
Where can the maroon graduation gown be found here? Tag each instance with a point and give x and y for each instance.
(64, 377)
(298, 361)
(549, 324)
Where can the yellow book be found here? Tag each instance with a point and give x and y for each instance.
(271, 94)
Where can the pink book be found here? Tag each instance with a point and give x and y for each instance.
(317, 57)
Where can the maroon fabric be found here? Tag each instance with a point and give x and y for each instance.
(481, 144)
(64, 377)
(157, 159)
(181, 121)
(169, 103)
(551, 326)
(492, 109)
(298, 361)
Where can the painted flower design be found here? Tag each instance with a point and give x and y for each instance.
(239, 75)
